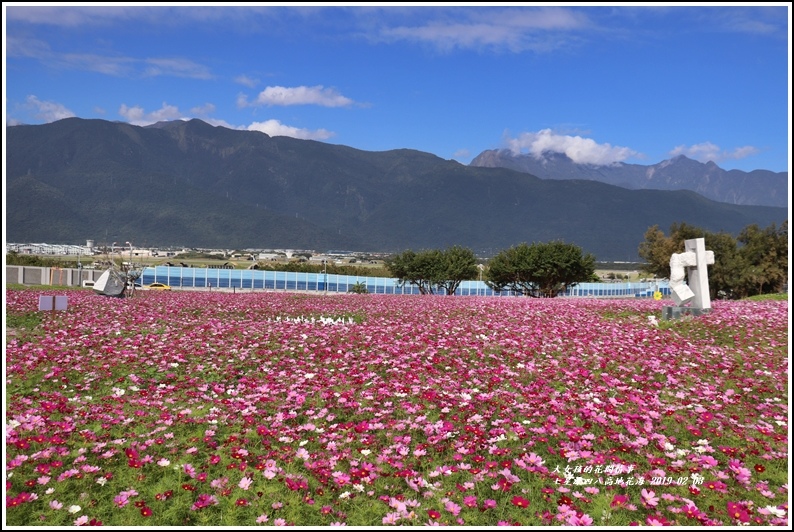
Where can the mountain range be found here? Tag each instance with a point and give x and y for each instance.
(759, 187)
(188, 183)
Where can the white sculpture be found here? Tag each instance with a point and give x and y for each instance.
(691, 263)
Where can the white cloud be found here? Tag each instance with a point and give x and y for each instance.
(274, 128)
(245, 80)
(461, 154)
(111, 65)
(182, 68)
(26, 47)
(87, 16)
(203, 110)
(512, 29)
(47, 111)
(69, 16)
(708, 151)
(579, 150)
(137, 116)
(302, 95)
(222, 123)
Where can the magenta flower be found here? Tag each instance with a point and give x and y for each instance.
(619, 500)
(470, 501)
(519, 501)
(737, 512)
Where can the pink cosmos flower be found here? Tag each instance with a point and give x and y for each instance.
(452, 508)
(657, 520)
(121, 500)
(649, 498)
(391, 518)
(692, 512)
(470, 501)
(204, 500)
(583, 520)
(534, 460)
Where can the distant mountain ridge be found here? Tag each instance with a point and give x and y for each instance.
(188, 183)
(759, 187)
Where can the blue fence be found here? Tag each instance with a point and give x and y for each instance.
(209, 278)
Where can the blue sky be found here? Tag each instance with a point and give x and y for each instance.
(634, 84)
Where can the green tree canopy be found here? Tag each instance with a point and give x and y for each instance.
(541, 269)
(459, 264)
(433, 270)
(764, 254)
(657, 248)
(754, 263)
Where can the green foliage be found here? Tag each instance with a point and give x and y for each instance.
(754, 263)
(656, 249)
(459, 264)
(28, 320)
(540, 270)
(359, 288)
(42, 287)
(199, 255)
(14, 258)
(768, 297)
(433, 270)
(334, 269)
(415, 268)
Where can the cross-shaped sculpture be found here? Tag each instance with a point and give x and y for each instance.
(693, 263)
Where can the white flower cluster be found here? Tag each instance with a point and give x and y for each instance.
(322, 320)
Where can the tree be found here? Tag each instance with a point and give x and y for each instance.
(432, 270)
(459, 264)
(540, 270)
(657, 248)
(755, 263)
(765, 256)
(410, 267)
(727, 265)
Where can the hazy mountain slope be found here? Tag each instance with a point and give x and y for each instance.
(759, 187)
(189, 183)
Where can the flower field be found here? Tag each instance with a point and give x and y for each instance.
(218, 409)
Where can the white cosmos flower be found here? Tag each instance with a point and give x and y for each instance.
(774, 510)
